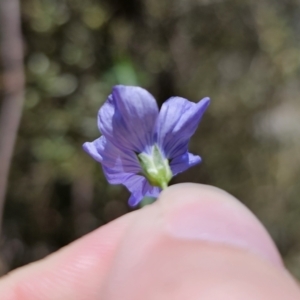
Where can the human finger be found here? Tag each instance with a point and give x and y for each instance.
(198, 242)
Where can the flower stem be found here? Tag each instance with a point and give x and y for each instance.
(164, 185)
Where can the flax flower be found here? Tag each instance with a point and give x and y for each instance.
(142, 147)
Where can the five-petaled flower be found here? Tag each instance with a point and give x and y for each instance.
(142, 147)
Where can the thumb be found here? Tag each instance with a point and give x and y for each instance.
(198, 242)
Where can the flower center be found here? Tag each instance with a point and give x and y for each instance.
(156, 167)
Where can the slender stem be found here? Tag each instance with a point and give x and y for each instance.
(164, 185)
(11, 50)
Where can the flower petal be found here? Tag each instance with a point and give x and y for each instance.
(183, 162)
(139, 188)
(115, 177)
(105, 117)
(119, 161)
(153, 191)
(92, 149)
(121, 167)
(136, 184)
(178, 120)
(127, 118)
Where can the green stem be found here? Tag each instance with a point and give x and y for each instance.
(164, 185)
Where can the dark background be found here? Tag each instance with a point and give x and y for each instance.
(245, 55)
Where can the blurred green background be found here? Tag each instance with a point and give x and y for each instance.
(245, 55)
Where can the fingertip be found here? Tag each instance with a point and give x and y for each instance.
(198, 242)
(206, 213)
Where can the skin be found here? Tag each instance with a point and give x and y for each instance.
(195, 242)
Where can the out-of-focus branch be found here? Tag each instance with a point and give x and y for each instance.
(12, 87)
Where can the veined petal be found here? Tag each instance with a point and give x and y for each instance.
(138, 185)
(153, 191)
(121, 167)
(92, 149)
(115, 177)
(139, 188)
(183, 162)
(177, 121)
(105, 117)
(118, 161)
(127, 118)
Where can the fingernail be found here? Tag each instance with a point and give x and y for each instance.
(200, 212)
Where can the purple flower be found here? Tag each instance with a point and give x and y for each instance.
(142, 147)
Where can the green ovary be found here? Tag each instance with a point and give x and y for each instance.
(156, 168)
